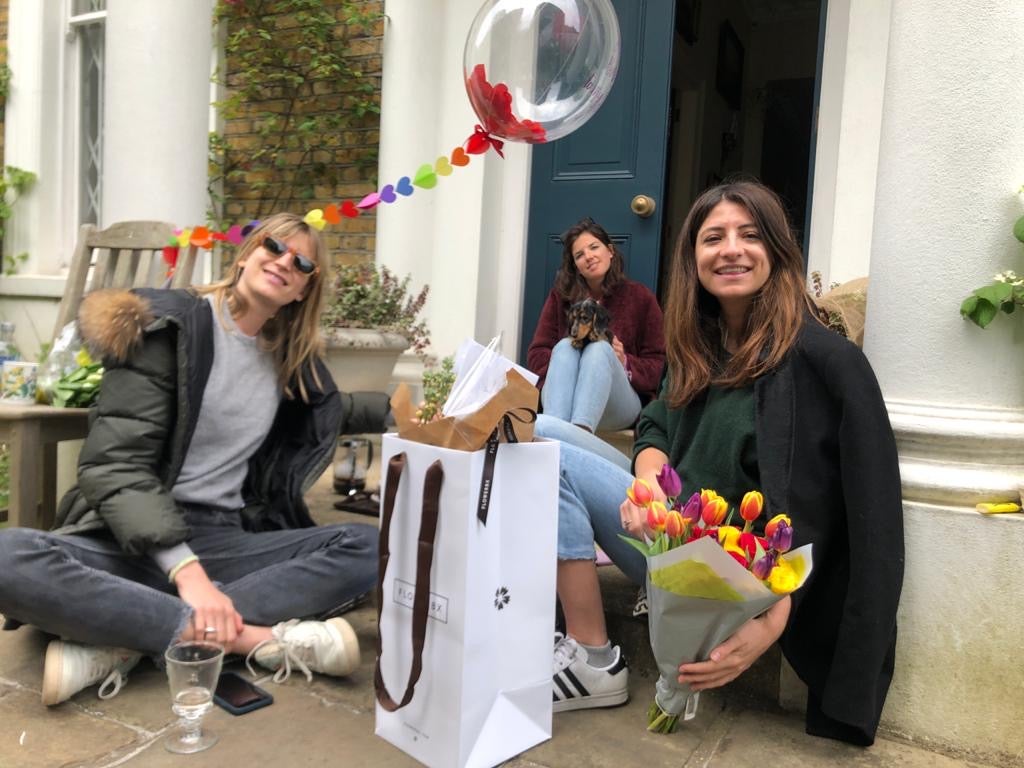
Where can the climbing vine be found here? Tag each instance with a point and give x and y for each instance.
(302, 103)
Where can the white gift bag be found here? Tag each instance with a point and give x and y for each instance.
(480, 691)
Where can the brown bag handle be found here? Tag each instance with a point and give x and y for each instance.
(424, 561)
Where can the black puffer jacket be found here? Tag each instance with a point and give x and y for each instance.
(157, 348)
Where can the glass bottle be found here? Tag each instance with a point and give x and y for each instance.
(8, 350)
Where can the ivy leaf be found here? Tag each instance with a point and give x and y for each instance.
(995, 293)
(1018, 229)
(978, 310)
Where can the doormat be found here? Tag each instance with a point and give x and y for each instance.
(361, 502)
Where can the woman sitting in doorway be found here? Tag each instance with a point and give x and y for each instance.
(604, 383)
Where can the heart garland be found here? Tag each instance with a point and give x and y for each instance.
(426, 177)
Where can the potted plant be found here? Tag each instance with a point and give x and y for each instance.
(371, 317)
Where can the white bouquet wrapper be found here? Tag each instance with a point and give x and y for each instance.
(698, 596)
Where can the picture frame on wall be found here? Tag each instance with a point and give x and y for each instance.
(688, 20)
(729, 72)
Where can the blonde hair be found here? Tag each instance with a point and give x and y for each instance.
(692, 332)
(292, 335)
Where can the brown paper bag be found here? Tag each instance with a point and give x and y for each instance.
(517, 400)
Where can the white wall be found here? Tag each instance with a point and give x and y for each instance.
(849, 124)
(465, 237)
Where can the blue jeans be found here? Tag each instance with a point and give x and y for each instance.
(589, 494)
(589, 387)
(549, 427)
(87, 589)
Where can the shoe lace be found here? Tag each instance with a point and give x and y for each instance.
(114, 679)
(565, 652)
(290, 652)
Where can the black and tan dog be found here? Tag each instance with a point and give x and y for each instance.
(588, 321)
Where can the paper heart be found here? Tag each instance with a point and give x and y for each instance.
(404, 186)
(183, 238)
(171, 255)
(425, 177)
(349, 209)
(459, 157)
(200, 238)
(443, 167)
(315, 219)
(331, 214)
(387, 195)
(368, 202)
(234, 234)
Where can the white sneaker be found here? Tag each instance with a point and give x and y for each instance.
(577, 685)
(328, 647)
(70, 667)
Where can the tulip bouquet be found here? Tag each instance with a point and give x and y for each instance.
(706, 578)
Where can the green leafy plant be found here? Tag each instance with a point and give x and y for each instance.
(14, 183)
(437, 385)
(365, 296)
(1004, 294)
(294, 90)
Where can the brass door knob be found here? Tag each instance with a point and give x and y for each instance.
(643, 206)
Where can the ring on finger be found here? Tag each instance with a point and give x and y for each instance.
(210, 630)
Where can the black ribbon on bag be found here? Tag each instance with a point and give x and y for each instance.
(523, 416)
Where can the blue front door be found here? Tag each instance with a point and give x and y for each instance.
(599, 169)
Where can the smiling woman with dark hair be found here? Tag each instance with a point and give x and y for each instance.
(604, 383)
(758, 395)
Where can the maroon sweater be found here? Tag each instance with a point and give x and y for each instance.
(636, 322)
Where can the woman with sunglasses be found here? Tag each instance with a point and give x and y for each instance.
(215, 415)
(603, 384)
(758, 395)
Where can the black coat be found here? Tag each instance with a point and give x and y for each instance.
(827, 457)
(142, 425)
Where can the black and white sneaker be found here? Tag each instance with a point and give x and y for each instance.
(577, 685)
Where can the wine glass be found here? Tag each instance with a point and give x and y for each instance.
(192, 670)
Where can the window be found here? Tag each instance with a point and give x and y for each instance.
(86, 31)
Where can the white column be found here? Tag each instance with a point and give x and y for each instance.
(466, 236)
(849, 121)
(951, 158)
(156, 111)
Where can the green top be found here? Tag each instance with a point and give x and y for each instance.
(711, 441)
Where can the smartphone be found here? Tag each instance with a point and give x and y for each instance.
(238, 696)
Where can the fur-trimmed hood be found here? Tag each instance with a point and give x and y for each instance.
(112, 321)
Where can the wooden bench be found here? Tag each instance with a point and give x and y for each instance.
(124, 255)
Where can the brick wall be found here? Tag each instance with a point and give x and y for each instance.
(348, 159)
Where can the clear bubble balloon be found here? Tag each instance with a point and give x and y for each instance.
(536, 70)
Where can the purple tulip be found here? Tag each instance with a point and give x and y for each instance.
(782, 537)
(669, 481)
(691, 510)
(762, 568)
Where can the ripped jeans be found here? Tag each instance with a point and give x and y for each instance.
(85, 588)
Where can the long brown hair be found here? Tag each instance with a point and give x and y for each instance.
(692, 332)
(569, 282)
(292, 335)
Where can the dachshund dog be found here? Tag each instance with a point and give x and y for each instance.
(588, 321)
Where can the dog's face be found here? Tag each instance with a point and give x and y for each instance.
(588, 321)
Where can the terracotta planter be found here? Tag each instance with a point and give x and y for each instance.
(362, 359)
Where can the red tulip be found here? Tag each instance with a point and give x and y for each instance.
(674, 524)
(656, 516)
(751, 506)
(714, 511)
(640, 493)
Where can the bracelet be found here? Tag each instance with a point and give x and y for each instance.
(187, 561)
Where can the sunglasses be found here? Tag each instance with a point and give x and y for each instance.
(276, 247)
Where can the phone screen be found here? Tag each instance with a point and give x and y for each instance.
(236, 691)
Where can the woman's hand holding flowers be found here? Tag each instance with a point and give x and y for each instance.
(733, 657)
